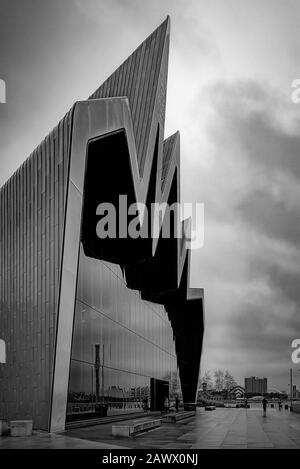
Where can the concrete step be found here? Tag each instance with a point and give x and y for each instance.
(21, 427)
(133, 428)
(112, 418)
(296, 408)
(175, 417)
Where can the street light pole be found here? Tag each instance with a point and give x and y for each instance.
(291, 377)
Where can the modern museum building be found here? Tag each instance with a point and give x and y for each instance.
(98, 327)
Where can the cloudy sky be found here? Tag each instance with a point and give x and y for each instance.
(229, 93)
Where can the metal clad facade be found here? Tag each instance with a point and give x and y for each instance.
(32, 205)
(40, 237)
(167, 156)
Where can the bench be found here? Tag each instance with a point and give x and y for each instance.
(133, 428)
(175, 417)
(296, 408)
(20, 427)
(210, 407)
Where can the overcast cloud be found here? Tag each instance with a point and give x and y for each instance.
(230, 74)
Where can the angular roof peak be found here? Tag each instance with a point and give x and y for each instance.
(138, 78)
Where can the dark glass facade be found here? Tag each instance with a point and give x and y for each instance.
(120, 342)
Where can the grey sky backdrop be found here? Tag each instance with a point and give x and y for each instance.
(231, 67)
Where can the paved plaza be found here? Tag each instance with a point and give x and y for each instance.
(222, 428)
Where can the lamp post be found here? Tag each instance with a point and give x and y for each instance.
(2, 351)
(291, 384)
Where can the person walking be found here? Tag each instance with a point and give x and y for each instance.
(279, 404)
(177, 403)
(145, 404)
(166, 404)
(246, 403)
(264, 403)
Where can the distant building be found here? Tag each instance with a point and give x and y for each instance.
(255, 385)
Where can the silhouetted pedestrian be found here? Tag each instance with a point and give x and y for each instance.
(145, 402)
(177, 403)
(264, 403)
(166, 404)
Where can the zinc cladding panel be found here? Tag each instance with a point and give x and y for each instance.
(32, 205)
(167, 156)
